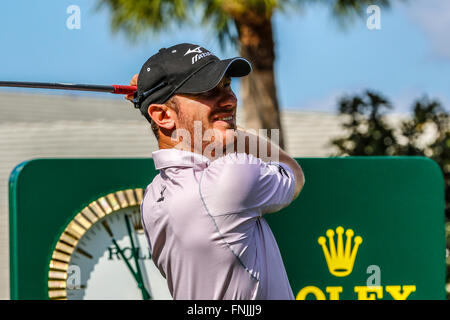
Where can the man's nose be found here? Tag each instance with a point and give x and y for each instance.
(228, 99)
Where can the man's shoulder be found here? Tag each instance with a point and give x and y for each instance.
(148, 192)
(235, 172)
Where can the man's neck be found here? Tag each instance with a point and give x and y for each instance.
(179, 146)
(164, 143)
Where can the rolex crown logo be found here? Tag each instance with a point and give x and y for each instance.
(340, 260)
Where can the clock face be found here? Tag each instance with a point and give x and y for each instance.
(103, 254)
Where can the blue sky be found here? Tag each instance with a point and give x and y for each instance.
(317, 61)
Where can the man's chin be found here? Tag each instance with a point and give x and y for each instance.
(223, 125)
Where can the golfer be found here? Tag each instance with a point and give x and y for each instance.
(203, 214)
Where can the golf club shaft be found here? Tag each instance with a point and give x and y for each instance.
(117, 89)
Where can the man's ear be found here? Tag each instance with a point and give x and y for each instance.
(162, 115)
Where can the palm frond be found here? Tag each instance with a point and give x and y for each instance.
(139, 16)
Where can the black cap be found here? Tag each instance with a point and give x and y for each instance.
(183, 68)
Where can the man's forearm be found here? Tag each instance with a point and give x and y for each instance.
(254, 145)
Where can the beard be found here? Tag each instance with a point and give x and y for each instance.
(200, 137)
(191, 132)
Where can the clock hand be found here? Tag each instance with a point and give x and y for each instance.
(125, 259)
(120, 251)
(145, 294)
(133, 226)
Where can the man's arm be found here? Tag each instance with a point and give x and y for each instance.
(272, 151)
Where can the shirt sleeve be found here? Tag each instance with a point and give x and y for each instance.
(238, 181)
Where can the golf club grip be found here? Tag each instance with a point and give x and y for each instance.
(120, 89)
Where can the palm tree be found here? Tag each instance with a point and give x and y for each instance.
(245, 23)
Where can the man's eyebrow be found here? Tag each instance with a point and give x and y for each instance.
(225, 80)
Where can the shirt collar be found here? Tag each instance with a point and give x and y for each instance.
(165, 158)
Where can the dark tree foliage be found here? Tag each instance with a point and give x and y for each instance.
(369, 135)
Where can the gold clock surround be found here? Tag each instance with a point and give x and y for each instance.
(74, 231)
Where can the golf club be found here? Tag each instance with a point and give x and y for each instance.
(116, 89)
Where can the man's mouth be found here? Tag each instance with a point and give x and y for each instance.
(228, 118)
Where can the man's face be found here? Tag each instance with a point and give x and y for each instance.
(215, 109)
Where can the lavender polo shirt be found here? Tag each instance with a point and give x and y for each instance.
(205, 227)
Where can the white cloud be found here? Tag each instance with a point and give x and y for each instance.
(433, 16)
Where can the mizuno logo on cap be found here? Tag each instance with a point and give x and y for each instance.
(196, 50)
(199, 56)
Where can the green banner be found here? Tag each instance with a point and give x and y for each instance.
(366, 228)
(362, 228)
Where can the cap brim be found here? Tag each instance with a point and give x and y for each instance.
(210, 76)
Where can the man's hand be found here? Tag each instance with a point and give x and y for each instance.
(272, 150)
(133, 82)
